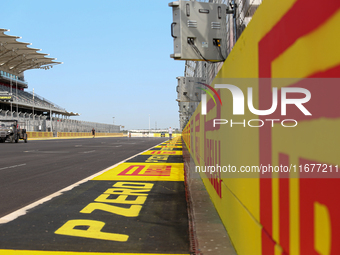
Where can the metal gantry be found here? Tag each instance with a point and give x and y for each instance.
(243, 10)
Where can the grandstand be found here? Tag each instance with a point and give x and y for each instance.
(38, 113)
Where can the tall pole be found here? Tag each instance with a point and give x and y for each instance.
(11, 95)
(33, 105)
(149, 123)
(234, 21)
(16, 87)
(51, 118)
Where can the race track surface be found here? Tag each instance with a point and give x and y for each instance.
(135, 207)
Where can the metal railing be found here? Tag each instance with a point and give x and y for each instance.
(26, 98)
(44, 101)
(41, 123)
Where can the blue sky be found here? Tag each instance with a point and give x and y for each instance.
(115, 55)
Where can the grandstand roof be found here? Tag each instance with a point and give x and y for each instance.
(16, 57)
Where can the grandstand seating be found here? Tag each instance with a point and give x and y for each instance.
(37, 113)
(27, 99)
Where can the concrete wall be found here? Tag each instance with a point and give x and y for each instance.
(266, 214)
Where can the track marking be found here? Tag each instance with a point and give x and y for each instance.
(22, 211)
(47, 152)
(12, 166)
(101, 146)
(27, 252)
(87, 151)
(127, 143)
(134, 171)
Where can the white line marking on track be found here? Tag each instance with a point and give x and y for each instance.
(22, 211)
(12, 166)
(87, 151)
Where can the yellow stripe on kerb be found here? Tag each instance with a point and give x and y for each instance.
(25, 252)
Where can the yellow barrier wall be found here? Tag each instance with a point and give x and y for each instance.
(166, 135)
(83, 134)
(285, 39)
(39, 134)
(71, 134)
(110, 134)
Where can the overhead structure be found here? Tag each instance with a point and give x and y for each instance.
(189, 90)
(16, 57)
(199, 31)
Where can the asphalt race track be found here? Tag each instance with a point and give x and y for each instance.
(137, 206)
(33, 170)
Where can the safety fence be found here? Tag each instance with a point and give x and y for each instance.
(43, 124)
(273, 211)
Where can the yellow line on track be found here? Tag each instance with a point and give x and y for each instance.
(26, 252)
